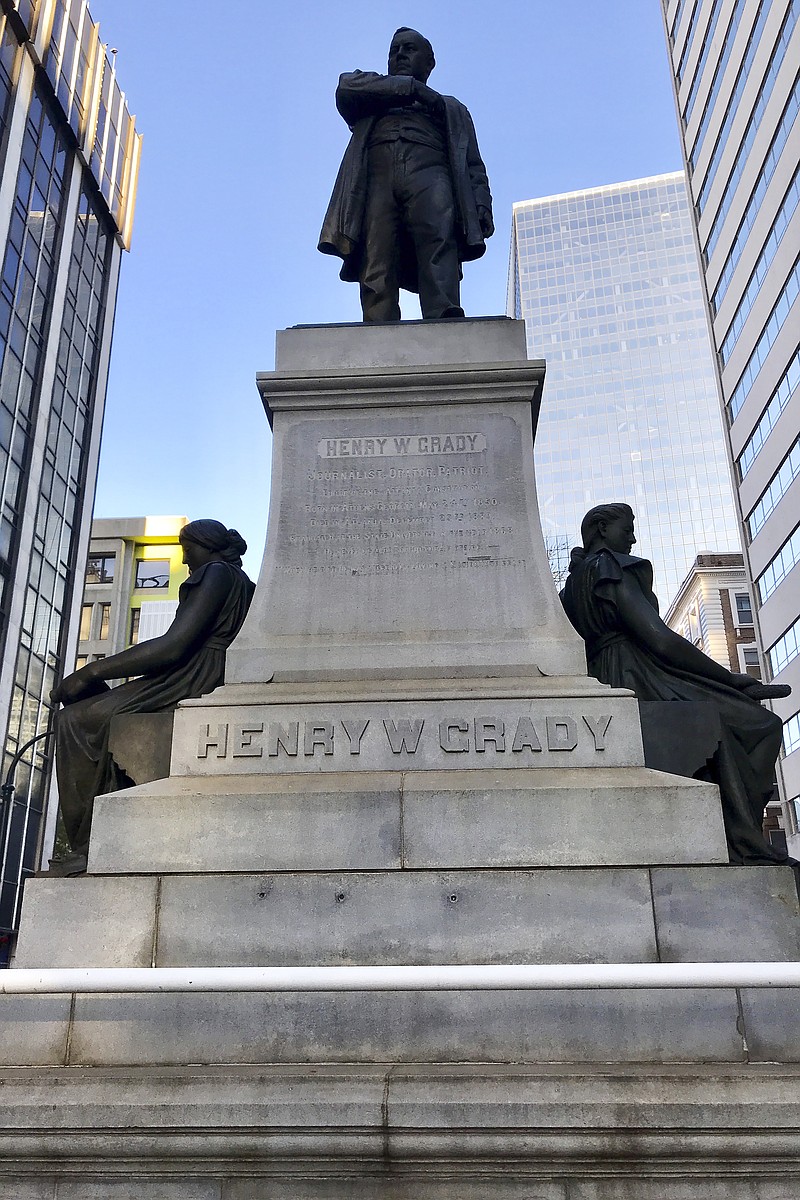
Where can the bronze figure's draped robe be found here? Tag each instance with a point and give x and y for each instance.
(751, 735)
(84, 765)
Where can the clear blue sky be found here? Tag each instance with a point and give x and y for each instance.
(241, 147)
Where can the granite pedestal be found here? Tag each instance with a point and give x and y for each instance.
(408, 764)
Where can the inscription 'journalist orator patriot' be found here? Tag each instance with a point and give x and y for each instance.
(411, 201)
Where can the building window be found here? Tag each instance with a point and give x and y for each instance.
(779, 567)
(100, 568)
(744, 609)
(105, 621)
(97, 657)
(785, 650)
(86, 623)
(81, 661)
(777, 319)
(777, 838)
(752, 665)
(133, 635)
(791, 736)
(152, 573)
(778, 401)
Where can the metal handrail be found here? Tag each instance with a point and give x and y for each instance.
(582, 976)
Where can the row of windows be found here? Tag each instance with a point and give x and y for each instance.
(775, 490)
(775, 406)
(733, 104)
(95, 622)
(785, 650)
(759, 191)
(779, 567)
(716, 82)
(8, 53)
(688, 43)
(150, 572)
(750, 132)
(765, 258)
(67, 60)
(25, 293)
(547, 216)
(702, 60)
(25, 297)
(791, 742)
(676, 19)
(59, 503)
(96, 625)
(775, 323)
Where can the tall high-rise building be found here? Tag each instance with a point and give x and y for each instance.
(737, 88)
(69, 153)
(608, 282)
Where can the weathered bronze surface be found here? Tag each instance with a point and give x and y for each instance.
(187, 660)
(608, 597)
(411, 201)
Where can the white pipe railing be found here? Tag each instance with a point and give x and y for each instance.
(401, 978)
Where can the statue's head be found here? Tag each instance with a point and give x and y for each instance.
(411, 54)
(209, 541)
(609, 525)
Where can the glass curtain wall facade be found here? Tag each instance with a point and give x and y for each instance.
(68, 161)
(738, 100)
(608, 283)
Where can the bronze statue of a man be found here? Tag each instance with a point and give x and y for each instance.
(411, 201)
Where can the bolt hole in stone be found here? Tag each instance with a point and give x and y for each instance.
(453, 898)
(340, 897)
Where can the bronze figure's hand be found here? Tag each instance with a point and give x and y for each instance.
(78, 686)
(486, 222)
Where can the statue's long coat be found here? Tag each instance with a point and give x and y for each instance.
(357, 95)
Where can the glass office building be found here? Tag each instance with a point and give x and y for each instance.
(608, 283)
(737, 89)
(68, 163)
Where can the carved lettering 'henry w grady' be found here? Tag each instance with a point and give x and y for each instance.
(403, 738)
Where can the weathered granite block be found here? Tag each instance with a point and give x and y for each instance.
(87, 923)
(248, 824)
(34, 1029)
(136, 1187)
(772, 1024)
(483, 1026)
(142, 743)
(534, 732)
(403, 537)
(726, 914)
(412, 1187)
(676, 1188)
(407, 917)
(29, 1189)
(598, 817)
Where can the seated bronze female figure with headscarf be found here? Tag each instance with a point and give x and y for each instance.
(186, 661)
(609, 599)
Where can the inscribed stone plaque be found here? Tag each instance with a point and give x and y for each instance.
(405, 540)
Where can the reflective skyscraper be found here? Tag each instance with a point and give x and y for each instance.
(737, 88)
(68, 160)
(608, 282)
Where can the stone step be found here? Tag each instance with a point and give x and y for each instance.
(581, 817)
(158, 1030)
(667, 914)
(376, 1132)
